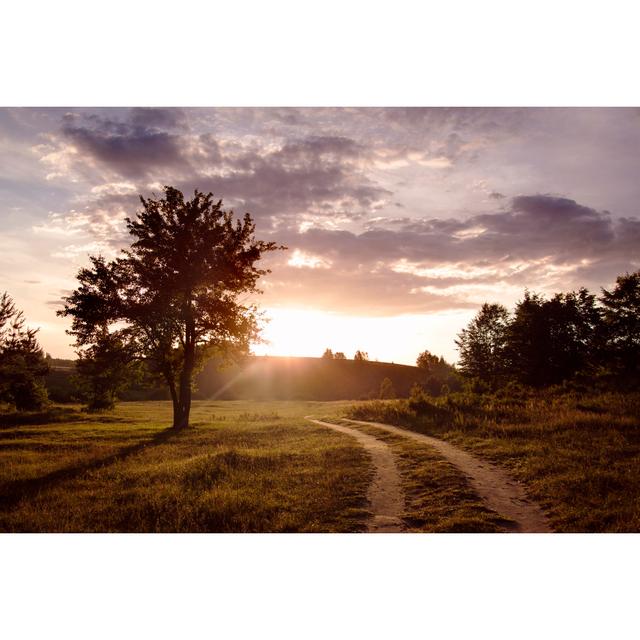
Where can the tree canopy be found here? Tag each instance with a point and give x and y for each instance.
(438, 373)
(174, 296)
(621, 322)
(22, 361)
(549, 341)
(482, 344)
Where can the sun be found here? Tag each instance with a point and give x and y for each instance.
(308, 332)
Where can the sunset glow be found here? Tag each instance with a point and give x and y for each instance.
(399, 223)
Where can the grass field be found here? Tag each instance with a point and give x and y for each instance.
(243, 467)
(259, 466)
(579, 455)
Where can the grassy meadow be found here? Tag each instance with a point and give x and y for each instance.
(578, 454)
(242, 467)
(261, 467)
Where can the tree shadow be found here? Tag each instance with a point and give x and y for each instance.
(13, 492)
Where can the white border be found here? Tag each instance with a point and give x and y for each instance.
(495, 52)
(331, 53)
(319, 586)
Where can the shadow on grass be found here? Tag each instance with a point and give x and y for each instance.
(48, 416)
(56, 415)
(11, 493)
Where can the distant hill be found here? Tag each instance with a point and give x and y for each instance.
(281, 378)
(271, 378)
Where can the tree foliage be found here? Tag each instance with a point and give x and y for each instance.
(387, 390)
(106, 368)
(438, 374)
(550, 341)
(22, 361)
(361, 356)
(175, 295)
(482, 344)
(621, 323)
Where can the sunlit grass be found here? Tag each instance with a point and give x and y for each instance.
(241, 467)
(579, 456)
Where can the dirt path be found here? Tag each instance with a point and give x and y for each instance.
(500, 492)
(385, 493)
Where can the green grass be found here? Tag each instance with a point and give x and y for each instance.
(579, 455)
(438, 496)
(242, 467)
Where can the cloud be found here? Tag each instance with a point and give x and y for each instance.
(543, 242)
(133, 148)
(321, 176)
(330, 183)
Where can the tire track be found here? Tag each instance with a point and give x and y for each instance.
(500, 492)
(385, 494)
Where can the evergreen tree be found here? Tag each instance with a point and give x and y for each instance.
(482, 344)
(22, 362)
(621, 320)
(387, 390)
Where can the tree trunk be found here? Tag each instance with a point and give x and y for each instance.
(182, 408)
(181, 417)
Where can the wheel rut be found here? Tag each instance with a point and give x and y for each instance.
(385, 495)
(500, 492)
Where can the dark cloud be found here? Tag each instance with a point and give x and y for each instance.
(317, 175)
(133, 148)
(158, 118)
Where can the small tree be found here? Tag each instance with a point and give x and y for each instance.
(22, 361)
(339, 355)
(361, 356)
(105, 369)
(176, 291)
(439, 376)
(328, 354)
(387, 390)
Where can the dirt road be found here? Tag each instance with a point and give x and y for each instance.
(385, 494)
(500, 492)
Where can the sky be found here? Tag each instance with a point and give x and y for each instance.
(399, 222)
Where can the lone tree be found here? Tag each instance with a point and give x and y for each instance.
(173, 297)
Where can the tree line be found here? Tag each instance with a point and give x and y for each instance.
(547, 341)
